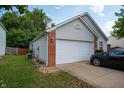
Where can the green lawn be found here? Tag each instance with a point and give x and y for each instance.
(16, 71)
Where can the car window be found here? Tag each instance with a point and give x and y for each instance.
(113, 53)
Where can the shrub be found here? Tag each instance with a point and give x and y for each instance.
(98, 51)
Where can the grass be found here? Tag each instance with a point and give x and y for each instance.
(17, 72)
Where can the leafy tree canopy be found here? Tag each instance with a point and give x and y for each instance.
(23, 28)
(118, 28)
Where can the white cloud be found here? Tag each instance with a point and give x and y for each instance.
(107, 27)
(48, 14)
(59, 7)
(98, 9)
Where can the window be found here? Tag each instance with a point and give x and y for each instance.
(116, 52)
(101, 45)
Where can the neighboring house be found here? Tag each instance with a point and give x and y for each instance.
(2, 39)
(114, 42)
(73, 40)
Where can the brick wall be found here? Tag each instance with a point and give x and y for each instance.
(52, 49)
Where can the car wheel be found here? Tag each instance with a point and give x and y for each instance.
(96, 62)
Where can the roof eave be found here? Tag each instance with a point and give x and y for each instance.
(98, 26)
(3, 26)
(88, 27)
(38, 36)
(67, 21)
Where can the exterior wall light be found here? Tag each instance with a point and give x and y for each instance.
(52, 39)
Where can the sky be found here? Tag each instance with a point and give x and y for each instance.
(102, 14)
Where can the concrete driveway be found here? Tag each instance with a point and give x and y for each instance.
(96, 76)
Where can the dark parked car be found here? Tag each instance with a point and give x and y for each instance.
(113, 58)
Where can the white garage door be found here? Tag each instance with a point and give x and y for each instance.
(73, 51)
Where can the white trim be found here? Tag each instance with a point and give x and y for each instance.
(47, 51)
(61, 24)
(74, 40)
(67, 21)
(3, 26)
(89, 27)
(38, 36)
(97, 26)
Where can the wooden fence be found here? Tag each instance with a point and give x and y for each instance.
(16, 51)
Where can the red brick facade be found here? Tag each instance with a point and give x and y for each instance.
(52, 49)
(95, 43)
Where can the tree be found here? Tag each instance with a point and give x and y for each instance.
(18, 38)
(118, 28)
(23, 28)
(20, 8)
(34, 20)
(10, 20)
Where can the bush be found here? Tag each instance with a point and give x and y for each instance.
(19, 38)
(98, 51)
(30, 51)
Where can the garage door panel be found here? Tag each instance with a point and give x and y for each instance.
(72, 51)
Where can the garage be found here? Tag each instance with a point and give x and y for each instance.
(73, 40)
(69, 51)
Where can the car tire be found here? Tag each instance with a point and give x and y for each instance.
(96, 62)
